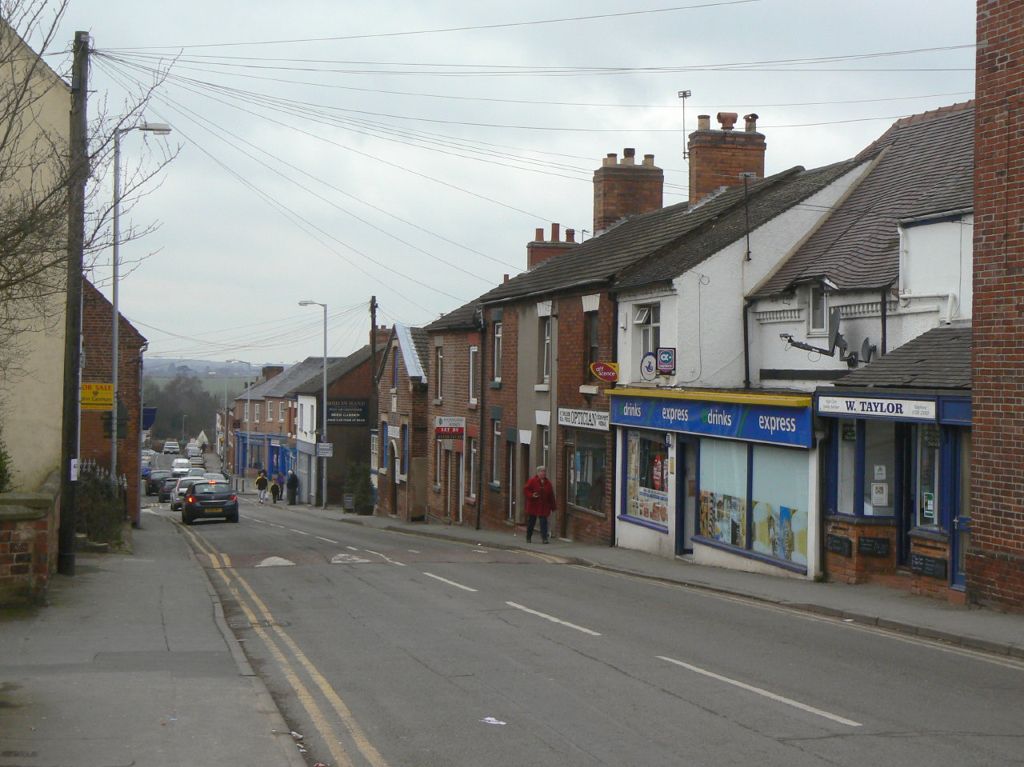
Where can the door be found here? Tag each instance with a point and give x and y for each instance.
(568, 484)
(393, 449)
(525, 472)
(960, 517)
(447, 484)
(513, 493)
(462, 485)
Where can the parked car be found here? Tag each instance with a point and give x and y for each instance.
(209, 498)
(167, 489)
(217, 475)
(197, 460)
(155, 479)
(196, 471)
(147, 453)
(181, 488)
(171, 446)
(180, 467)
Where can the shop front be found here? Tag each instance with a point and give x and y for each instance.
(727, 477)
(585, 437)
(897, 490)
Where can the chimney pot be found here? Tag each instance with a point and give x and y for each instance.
(628, 156)
(611, 159)
(556, 232)
(538, 234)
(570, 235)
(505, 278)
(727, 119)
(649, 160)
(703, 122)
(750, 122)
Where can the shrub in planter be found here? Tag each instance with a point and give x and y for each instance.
(358, 486)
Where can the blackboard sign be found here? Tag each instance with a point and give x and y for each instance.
(348, 412)
(932, 567)
(839, 544)
(874, 547)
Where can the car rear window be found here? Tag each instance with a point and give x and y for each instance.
(209, 488)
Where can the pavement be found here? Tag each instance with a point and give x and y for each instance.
(131, 661)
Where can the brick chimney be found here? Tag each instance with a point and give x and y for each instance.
(269, 371)
(382, 335)
(541, 250)
(718, 157)
(625, 189)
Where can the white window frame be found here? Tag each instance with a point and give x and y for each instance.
(545, 446)
(472, 450)
(302, 417)
(247, 411)
(812, 329)
(437, 462)
(280, 411)
(497, 337)
(545, 346)
(648, 318)
(474, 356)
(256, 412)
(439, 377)
(496, 452)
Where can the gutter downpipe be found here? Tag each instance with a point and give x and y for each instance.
(885, 317)
(615, 435)
(746, 343)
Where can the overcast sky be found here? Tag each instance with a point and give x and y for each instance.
(417, 166)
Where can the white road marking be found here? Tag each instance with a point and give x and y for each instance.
(450, 583)
(352, 548)
(260, 521)
(300, 532)
(327, 540)
(277, 526)
(413, 551)
(348, 559)
(480, 551)
(275, 562)
(762, 692)
(386, 559)
(553, 619)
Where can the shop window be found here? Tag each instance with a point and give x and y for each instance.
(647, 477)
(847, 466)
(962, 521)
(586, 469)
(723, 491)
(879, 468)
(928, 475)
(779, 499)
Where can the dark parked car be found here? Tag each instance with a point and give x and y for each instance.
(155, 479)
(209, 498)
(167, 489)
(181, 489)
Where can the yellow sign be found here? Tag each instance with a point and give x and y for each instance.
(97, 396)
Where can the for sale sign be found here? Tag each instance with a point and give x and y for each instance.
(449, 427)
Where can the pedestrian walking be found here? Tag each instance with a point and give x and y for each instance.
(261, 486)
(292, 485)
(540, 502)
(275, 487)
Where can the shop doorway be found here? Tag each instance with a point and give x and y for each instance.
(960, 534)
(680, 501)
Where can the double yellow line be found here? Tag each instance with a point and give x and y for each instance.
(256, 611)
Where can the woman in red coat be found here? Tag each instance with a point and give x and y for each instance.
(540, 502)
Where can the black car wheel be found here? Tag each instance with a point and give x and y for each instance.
(186, 518)
(233, 517)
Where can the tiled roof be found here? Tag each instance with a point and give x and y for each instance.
(765, 200)
(938, 359)
(463, 318)
(422, 343)
(924, 165)
(313, 384)
(283, 384)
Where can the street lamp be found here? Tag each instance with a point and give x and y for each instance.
(161, 129)
(323, 438)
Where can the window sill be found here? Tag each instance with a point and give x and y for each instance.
(643, 523)
(590, 390)
(439, 400)
(542, 387)
(494, 486)
(494, 385)
(473, 405)
(470, 501)
(853, 519)
(574, 509)
(747, 554)
(929, 534)
(436, 488)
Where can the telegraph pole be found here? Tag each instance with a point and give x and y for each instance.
(77, 177)
(373, 369)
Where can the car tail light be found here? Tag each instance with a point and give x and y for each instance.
(190, 499)
(233, 498)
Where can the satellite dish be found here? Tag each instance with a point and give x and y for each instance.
(834, 338)
(867, 350)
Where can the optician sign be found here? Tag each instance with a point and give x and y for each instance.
(583, 419)
(754, 423)
(878, 407)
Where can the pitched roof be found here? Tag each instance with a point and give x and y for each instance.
(937, 359)
(415, 345)
(283, 384)
(313, 384)
(924, 165)
(765, 200)
(463, 318)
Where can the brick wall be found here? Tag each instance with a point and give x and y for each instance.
(718, 157)
(407, 500)
(97, 317)
(625, 189)
(351, 442)
(443, 495)
(28, 544)
(494, 512)
(577, 523)
(541, 250)
(995, 557)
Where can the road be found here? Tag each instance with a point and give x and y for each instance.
(390, 649)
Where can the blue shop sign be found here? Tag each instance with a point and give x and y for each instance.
(753, 423)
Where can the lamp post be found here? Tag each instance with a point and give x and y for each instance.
(161, 129)
(323, 404)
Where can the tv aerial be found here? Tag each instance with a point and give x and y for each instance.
(836, 342)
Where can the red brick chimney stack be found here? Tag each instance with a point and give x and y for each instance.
(718, 157)
(269, 371)
(541, 250)
(624, 188)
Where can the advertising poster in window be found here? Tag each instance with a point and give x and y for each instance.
(647, 479)
(780, 504)
(723, 491)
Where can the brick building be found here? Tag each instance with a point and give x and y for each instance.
(402, 440)
(995, 553)
(455, 419)
(97, 320)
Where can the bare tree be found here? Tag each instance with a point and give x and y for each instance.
(34, 172)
